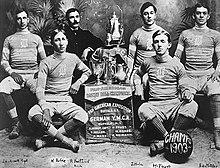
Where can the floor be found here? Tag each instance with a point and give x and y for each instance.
(20, 153)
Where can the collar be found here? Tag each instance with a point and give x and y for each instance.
(24, 31)
(163, 58)
(59, 55)
(150, 28)
(204, 28)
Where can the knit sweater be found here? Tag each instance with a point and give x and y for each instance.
(165, 78)
(199, 44)
(55, 76)
(140, 44)
(20, 52)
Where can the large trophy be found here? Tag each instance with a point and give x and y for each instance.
(115, 31)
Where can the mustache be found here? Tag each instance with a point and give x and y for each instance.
(75, 22)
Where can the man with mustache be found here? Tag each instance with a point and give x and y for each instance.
(200, 43)
(81, 42)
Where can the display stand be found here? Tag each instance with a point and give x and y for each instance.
(110, 113)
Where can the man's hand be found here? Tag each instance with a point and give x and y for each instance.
(17, 78)
(46, 115)
(85, 54)
(75, 87)
(215, 76)
(187, 96)
(139, 91)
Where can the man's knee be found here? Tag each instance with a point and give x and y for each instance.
(190, 109)
(82, 116)
(34, 111)
(145, 112)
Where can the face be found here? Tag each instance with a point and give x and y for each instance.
(22, 20)
(60, 42)
(161, 44)
(201, 16)
(149, 16)
(74, 19)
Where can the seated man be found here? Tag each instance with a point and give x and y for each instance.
(20, 60)
(200, 44)
(53, 88)
(81, 42)
(166, 77)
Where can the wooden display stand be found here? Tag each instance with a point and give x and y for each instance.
(110, 113)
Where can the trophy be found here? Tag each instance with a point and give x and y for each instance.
(114, 31)
(97, 65)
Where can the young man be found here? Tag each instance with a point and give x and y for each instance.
(167, 80)
(140, 44)
(81, 42)
(20, 60)
(200, 43)
(53, 89)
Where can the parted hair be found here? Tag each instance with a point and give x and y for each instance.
(159, 32)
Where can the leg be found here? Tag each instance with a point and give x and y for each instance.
(213, 91)
(185, 115)
(215, 109)
(7, 85)
(12, 112)
(36, 116)
(76, 117)
(148, 112)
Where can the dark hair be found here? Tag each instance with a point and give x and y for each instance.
(159, 32)
(202, 4)
(54, 33)
(146, 5)
(70, 11)
(19, 10)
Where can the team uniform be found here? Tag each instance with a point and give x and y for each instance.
(200, 45)
(54, 81)
(165, 79)
(20, 55)
(140, 46)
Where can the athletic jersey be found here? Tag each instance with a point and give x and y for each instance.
(200, 45)
(55, 76)
(20, 52)
(141, 44)
(165, 78)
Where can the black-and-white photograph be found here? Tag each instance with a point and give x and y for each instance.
(109, 84)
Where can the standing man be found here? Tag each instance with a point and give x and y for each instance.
(200, 43)
(140, 44)
(20, 55)
(54, 87)
(167, 80)
(81, 42)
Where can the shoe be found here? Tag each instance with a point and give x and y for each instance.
(43, 141)
(39, 143)
(74, 145)
(156, 148)
(217, 139)
(15, 133)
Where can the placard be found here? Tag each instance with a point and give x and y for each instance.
(110, 113)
